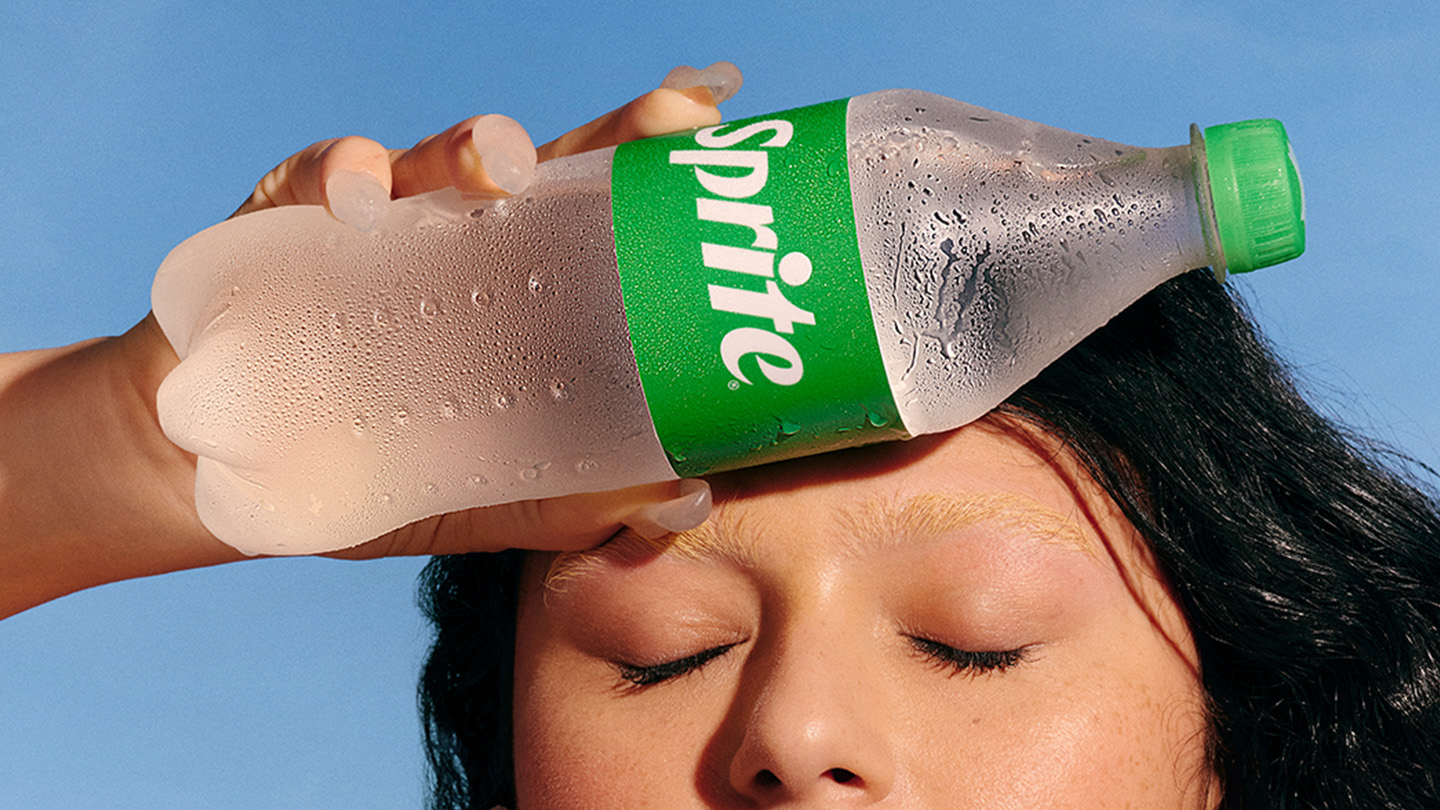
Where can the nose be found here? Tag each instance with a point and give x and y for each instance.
(814, 732)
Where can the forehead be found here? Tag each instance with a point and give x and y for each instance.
(870, 500)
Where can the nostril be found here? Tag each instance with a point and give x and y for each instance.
(842, 776)
(767, 779)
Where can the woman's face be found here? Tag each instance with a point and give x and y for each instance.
(953, 622)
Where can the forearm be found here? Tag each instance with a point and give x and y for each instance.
(90, 490)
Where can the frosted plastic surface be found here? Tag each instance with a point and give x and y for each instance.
(992, 244)
(338, 384)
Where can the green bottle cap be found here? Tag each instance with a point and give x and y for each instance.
(1259, 202)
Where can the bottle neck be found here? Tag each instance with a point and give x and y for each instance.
(1205, 203)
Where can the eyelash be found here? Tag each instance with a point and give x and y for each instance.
(967, 662)
(956, 661)
(640, 676)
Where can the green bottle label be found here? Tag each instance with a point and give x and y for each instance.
(744, 293)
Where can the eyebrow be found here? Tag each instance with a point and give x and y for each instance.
(880, 524)
(872, 527)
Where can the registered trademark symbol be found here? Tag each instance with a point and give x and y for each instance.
(734, 385)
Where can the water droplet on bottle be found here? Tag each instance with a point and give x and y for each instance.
(877, 419)
(448, 410)
(503, 401)
(431, 488)
(477, 480)
(481, 298)
(402, 416)
(788, 428)
(386, 499)
(358, 425)
(587, 465)
(529, 473)
(428, 308)
(559, 391)
(535, 285)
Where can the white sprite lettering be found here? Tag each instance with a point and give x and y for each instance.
(783, 131)
(770, 304)
(748, 340)
(749, 170)
(738, 188)
(749, 215)
(738, 260)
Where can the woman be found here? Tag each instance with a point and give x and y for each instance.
(1222, 600)
(1153, 577)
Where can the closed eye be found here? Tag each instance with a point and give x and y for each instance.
(638, 675)
(968, 662)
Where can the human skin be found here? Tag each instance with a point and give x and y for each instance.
(842, 583)
(91, 490)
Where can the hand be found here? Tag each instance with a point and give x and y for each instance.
(490, 154)
(92, 492)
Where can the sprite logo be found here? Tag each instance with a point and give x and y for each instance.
(744, 293)
(758, 258)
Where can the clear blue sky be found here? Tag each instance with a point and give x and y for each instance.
(125, 126)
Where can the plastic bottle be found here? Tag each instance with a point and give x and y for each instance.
(864, 270)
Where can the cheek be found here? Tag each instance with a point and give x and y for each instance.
(1109, 713)
(1115, 726)
(1075, 749)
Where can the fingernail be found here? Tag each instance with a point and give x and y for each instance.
(506, 152)
(722, 79)
(355, 199)
(679, 514)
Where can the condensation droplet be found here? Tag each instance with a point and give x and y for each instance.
(448, 410)
(481, 298)
(431, 488)
(559, 391)
(587, 465)
(877, 419)
(529, 473)
(428, 308)
(535, 285)
(386, 499)
(788, 428)
(477, 480)
(503, 401)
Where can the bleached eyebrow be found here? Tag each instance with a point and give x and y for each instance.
(873, 526)
(725, 535)
(882, 523)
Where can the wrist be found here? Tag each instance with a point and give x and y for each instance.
(91, 491)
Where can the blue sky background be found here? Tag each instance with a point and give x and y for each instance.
(128, 125)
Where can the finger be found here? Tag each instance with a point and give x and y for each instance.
(723, 79)
(656, 113)
(686, 99)
(303, 177)
(490, 155)
(570, 523)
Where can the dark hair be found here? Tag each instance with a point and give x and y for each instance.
(1307, 562)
